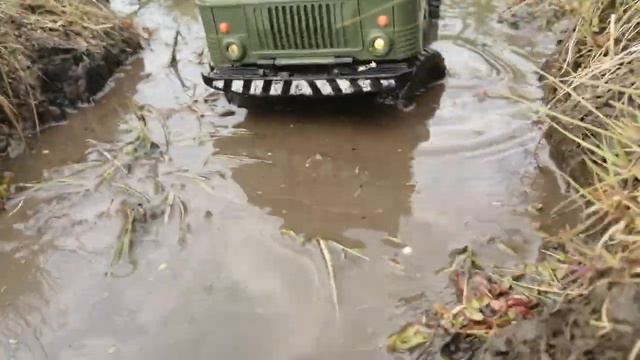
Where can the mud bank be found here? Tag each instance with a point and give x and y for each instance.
(54, 56)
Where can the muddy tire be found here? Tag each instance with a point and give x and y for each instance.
(430, 70)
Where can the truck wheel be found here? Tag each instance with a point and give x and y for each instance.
(429, 70)
(432, 67)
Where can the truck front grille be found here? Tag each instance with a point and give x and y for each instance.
(307, 26)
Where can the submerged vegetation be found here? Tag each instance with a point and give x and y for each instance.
(5, 188)
(327, 258)
(54, 55)
(142, 185)
(587, 278)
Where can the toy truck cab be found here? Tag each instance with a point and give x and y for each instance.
(316, 47)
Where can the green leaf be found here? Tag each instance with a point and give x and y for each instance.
(473, 314)
(475, 304)
(408, 338)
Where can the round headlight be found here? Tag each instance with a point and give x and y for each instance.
(234, 50)
(379, 45)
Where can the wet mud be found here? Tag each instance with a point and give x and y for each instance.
(224, 272)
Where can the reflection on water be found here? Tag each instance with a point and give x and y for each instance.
(328, 167)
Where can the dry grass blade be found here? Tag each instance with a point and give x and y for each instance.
(206, 187)
(182, 206)
(111, 158)
(32, 102)
(351, 251)
(13, 115)
(17, 208)
(54, 183)
(124, 242)
(133, 191)
(633, 355)
(292, 234)
(328, 261)
(200, 180)
(173, 61)
(167, 212)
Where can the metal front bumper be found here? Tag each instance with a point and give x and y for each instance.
(254, 82)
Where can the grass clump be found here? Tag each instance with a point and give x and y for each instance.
(592, 90)
(55, 54)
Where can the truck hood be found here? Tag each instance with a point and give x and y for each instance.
(245, 2)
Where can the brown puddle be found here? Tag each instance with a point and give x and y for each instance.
(458, 169)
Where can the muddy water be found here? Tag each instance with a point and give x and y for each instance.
(223, 280)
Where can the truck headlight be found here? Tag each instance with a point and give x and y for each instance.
(234, 50)
(379, 44)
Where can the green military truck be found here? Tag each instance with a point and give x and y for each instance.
(319, 47)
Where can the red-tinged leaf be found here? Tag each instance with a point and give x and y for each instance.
(520, 300)
(479, 285)
(500, 306)
(499, 289)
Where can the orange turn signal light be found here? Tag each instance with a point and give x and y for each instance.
(383, 21)
(224, 28)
